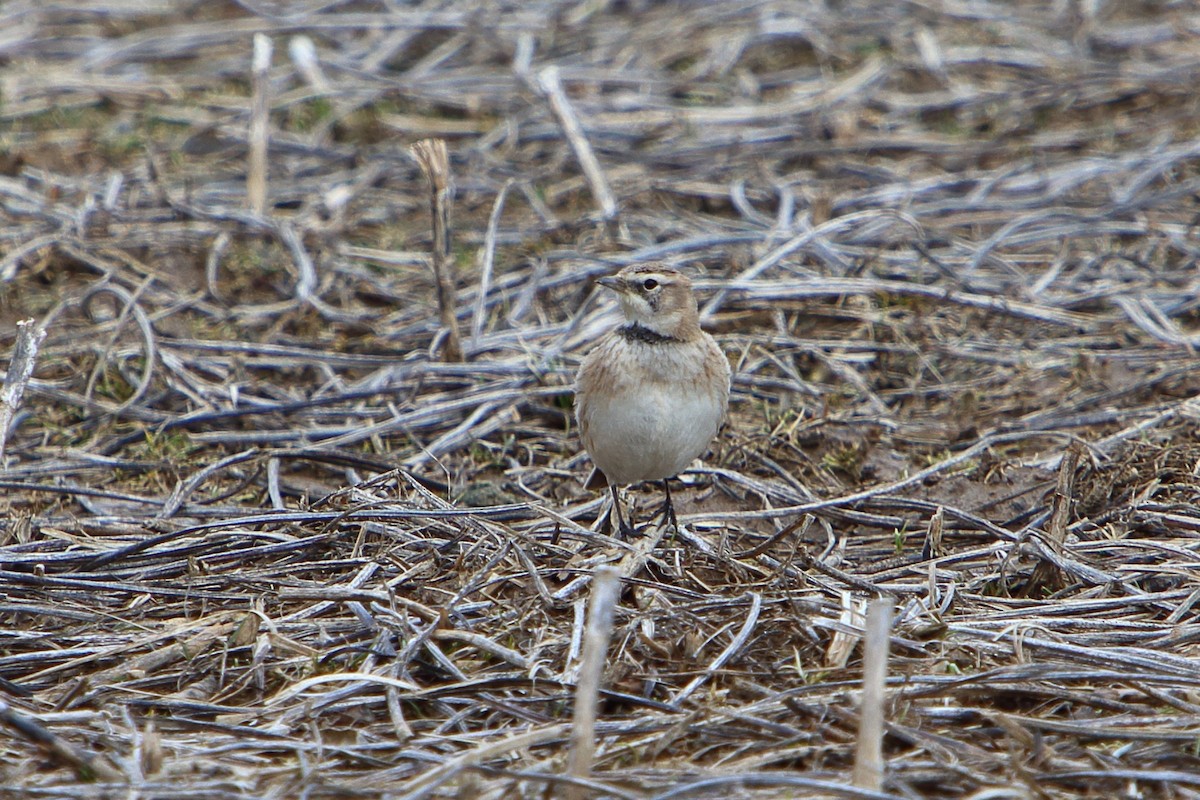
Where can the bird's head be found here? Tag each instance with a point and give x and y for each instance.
(658, 298)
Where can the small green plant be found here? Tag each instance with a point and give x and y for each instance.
(847, 460)
(113, 386)
(304, 116)
(938, 456)
(169, 446)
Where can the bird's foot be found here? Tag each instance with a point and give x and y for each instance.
(670, 518)
(625, 531)
(666, 517)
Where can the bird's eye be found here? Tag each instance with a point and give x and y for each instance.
(649, 284)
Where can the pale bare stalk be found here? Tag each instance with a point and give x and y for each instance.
(606, 584)
(256, 173)
(304, 57)
(868, 756)
(435, 164)
(306, 280)
(20, 369)
(551, 88)
(489, 261)
(150, 749)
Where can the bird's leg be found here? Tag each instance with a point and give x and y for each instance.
(668, 506)
(624, 529)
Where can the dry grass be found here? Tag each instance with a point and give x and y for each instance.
(258, 542)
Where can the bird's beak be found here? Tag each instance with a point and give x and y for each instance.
(611, 282)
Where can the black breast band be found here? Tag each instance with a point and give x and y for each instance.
(637, 333)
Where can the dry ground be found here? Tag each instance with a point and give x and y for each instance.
(258, 542)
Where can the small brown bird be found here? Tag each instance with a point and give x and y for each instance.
(652, 394)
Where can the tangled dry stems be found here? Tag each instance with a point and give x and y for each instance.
(260, 542)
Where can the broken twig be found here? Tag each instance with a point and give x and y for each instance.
(20, 370)
(435, 164)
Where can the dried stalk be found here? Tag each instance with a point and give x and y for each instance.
(1060, 513)
(427, 782)
(87, 766)
(20, 370)
(304, 57)
(435, 164)
(260, 109)
(606, 584)
(551, 87)
(489, 259)
(869, 765)
(725, 655)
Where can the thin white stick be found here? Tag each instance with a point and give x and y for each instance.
(551, 88)
(606, 584)
(868, 756)
(424, 784)
(304, 57)
(489, 260)
(729, 652)
(20, 370)
(256, 172)
(306, 281)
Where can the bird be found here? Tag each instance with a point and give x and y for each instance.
(651, 396)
